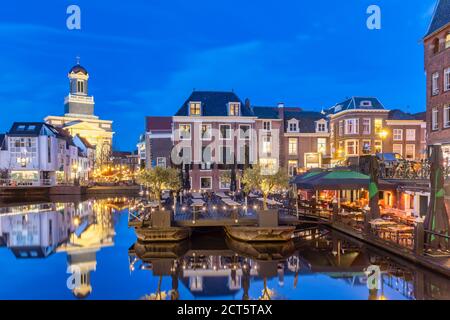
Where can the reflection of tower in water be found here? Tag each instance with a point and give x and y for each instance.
(94, 231)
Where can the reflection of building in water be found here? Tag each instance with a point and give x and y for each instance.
(214, 275)
(94, 231)
(34, 231)
(79, 229)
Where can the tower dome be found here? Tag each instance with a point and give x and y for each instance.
(78, 69)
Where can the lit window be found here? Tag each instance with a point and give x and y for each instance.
(225, 132)
(351, 126)
(397, 148)
(267, 144)
(435, 83)
(322, 145)
(351, 147)
(293, 146)
(398, 134)
(378, 125)
(185, 131)
(195, 108)
(434, 119)
(410, 151)
(292, 167)
(366, 126)
(410, 134)
(205, 182)
(447, 41)
(378, 146)
(446, 116)
(206, 132)
(366, 147)
(234, 109)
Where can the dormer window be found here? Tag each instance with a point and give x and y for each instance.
(234, 109)
(293, 125)
(337, 108)
(321, 126)
(366, 104)
(195, 108)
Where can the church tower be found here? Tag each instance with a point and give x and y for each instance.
(79, 117)
(78, 102)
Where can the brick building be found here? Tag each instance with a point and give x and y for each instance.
(304, 137)
(437, 68)
(362, 125)
(211, 130)
(157, 144)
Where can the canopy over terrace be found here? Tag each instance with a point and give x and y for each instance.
(337, 179)
(341, 179)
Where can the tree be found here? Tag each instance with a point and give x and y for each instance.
(227, 176)
(254, 179)
(158, 179)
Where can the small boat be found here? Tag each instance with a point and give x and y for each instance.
(261, 234)
(149, 234)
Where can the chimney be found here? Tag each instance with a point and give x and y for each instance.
(281, 110)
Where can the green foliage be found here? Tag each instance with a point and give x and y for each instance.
(253, 179)
(158, 179)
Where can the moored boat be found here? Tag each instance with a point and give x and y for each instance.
(261, 234)
(148, 234)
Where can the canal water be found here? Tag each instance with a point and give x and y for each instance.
(84, 250)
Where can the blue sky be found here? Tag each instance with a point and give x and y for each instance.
(146, 56)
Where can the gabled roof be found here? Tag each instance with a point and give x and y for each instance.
(356, 103)
(401, 115)
(441, 17)
(158, 124)
(30, 129)
(214, 104)
(266, 112)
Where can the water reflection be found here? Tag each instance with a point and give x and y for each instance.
(74, 238)
(79, 229)
(228, 269)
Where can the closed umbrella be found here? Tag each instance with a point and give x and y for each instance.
(437, 219)
(374, 197)
(233, 182)
(187, 179)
